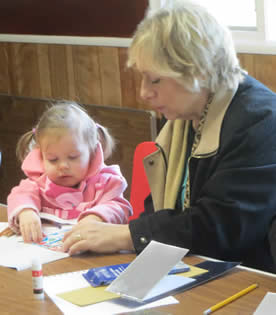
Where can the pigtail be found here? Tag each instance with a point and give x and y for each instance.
(24, 145)
(106, 140)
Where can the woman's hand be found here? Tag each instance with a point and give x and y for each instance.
(97, 237)
(30, 226)
(90, 217)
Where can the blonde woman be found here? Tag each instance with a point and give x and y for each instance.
(213, 176)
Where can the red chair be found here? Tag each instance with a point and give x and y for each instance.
(139, 184)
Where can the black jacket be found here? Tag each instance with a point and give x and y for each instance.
(233, 192)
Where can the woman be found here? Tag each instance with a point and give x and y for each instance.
(213, 177)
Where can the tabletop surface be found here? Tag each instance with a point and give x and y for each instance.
(16, 295)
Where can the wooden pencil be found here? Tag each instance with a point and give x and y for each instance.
(7, 232)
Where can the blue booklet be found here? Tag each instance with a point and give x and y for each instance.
(101, 276)
(170, 285)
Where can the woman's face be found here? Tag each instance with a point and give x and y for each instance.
(171, 98)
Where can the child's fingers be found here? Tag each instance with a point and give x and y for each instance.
(35, 231)
(26, 235)
(37, 235)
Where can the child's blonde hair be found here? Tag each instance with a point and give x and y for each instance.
(71, 116)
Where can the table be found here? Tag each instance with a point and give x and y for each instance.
(16, 295)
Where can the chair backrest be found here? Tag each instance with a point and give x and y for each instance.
(139, 185)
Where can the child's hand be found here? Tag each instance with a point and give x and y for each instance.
(30, 226)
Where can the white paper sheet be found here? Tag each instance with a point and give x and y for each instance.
(54, 285)
(55, 219)
(144, 278)
(267, 306)
(19, 255)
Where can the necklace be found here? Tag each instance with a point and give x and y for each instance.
(197, 138)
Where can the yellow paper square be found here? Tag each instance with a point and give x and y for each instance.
(87, 296)
(194, 271)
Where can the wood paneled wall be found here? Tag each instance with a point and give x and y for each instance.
(86, 74)
(89, 74)
(261, 67)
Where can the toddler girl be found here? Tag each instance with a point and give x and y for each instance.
(63, 159)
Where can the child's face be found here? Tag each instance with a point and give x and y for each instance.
(65, 158)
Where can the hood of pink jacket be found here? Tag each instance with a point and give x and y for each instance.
(33, 168)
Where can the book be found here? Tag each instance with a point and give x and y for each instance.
(19, 255)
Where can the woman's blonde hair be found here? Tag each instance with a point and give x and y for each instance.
(71, 116)
(185, 42)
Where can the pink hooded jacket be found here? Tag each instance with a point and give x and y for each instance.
(100, 193)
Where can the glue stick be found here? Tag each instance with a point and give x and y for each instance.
(37, 278)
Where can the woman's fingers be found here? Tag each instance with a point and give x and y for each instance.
(70, 239)
(78, 247)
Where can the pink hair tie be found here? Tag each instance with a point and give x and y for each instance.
(34, 130)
